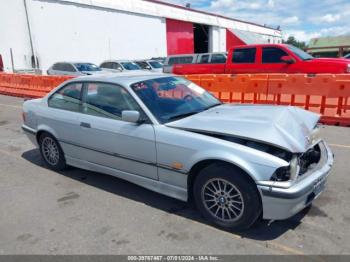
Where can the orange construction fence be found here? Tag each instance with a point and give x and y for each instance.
(326, 94)
(30, 86)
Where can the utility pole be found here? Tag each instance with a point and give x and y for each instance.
(33, 57)
(12, 63)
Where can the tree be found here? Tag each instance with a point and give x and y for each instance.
(292, 41)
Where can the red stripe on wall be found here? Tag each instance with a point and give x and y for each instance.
(179, 37)
(232, 40)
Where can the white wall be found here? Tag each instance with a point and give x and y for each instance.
(95, 30)
(144, 7)
(14, 34)
(217, 39)
(73, 32)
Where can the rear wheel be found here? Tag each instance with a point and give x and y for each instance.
(51, 152)
(226, 197)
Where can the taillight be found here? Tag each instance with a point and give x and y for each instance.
(348, 69)
(24, 117)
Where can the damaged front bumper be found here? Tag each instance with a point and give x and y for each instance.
(282, 200)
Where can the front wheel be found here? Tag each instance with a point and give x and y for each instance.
(226, 197)
(51, 152)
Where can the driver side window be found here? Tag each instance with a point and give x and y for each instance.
(272, 55)
(107, 100)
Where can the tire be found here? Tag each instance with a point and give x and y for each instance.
(236, 209)
(51, 152)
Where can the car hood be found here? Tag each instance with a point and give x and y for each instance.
(286, 127)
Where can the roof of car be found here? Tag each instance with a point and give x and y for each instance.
(123, 78)
(258, 45)
(147, 60)
(74, 62)
(117, 61)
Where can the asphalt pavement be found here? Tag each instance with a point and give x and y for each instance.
(82, 212)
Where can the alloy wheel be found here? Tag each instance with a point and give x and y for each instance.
(222, 199)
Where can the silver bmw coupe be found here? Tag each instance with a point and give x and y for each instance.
(237, 163)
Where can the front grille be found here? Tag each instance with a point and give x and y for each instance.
(309, 159)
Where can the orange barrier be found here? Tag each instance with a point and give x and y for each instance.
(326, 94)
(31, 86)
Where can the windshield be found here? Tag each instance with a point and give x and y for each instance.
(156, 64)
(300, 53)
(87, 67)
(172, 98)
(130, 66)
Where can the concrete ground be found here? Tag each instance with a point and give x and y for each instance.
(81, 212)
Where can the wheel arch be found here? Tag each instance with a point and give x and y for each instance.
(45, 129)
(197, 167)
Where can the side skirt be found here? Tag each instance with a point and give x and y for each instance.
(154, 185)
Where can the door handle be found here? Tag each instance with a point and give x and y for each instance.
(87, 125)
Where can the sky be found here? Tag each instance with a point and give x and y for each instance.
(304, 19)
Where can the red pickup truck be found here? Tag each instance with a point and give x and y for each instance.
(267, 58)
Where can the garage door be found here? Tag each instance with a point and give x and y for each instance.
(179, 37)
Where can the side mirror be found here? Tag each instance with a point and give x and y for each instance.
(287, 59)
(130, 116)
(148, 67)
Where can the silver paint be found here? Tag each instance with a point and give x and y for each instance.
(145, 153)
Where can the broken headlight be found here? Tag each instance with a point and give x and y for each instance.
(286, 173)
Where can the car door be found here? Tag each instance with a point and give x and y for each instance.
(243, 61)
(108, 140)
(272, 62)
(62, 116)
(219, 60)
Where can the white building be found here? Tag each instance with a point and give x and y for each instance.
(96, 30)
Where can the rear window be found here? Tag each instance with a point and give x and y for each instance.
(244, 55)
(58, 66)
(180, 60)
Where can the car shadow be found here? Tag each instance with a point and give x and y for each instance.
(261, 231)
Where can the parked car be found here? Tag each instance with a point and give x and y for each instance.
(159, 59)
(347, 56)
(120, 65)
(74, 69)
(165, 133)
(172, 60)
(151, 65)
(266, 58)
(204, 58)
